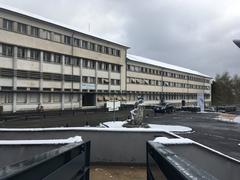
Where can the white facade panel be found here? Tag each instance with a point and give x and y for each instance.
(28, 83)
(88, 72)
(6, 62)
(6, 81)
(28, 65)
(52, 84)
(103, 74)
(52, 68)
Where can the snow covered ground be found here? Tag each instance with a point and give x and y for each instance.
(228, 118)
(45, 141)
(168, 128)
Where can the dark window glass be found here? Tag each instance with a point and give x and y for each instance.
(34, 31)
(84, 44)
(47, 56)
(92, 46)
(76, 42)
(57, 58)
(67, 40)
(7, 50)
(35, 54)
(8, 25)
(106, 50)
(22, 52)
(99, 48)
(67, 60)
(22, 28)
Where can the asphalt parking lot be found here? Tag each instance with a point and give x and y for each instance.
(221, 136)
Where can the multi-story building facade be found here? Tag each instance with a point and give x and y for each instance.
(59, 67)
(47, 63)
(156, 81)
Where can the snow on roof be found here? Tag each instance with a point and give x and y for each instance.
(164, 65)
(38, 17)
(165, 140)
(45, 141)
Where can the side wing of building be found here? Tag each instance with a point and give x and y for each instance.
(157, 83)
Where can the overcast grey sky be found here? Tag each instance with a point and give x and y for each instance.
(195, 34)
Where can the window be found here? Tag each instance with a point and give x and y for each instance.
(67, 60)
(85, 63)
(34, 98)
(76, 42)
(85, 79)
(112, 81)
(7, 50)
(57, 37)
(34, 31)
(67, 98)
(84, 44)
(118, 68)
(100, 80)
(22, 28)
(56, 97)
(92, 64)
(106, 50)
(67, 40)
(117, 82)
(21, 52)
(118, 53)
(92, 80)
(34, 54)
(21, 98)
(46, 97)
(7, 25)
(47, 56)
(92, 46)
(99, 48)
(75, 61)
(46, 34)
(57, 58)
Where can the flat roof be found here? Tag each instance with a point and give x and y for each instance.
(46, 20)
(164, 65)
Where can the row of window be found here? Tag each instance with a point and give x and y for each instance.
(166, 96)
(164, 83)
(165, 73)
(56, 37)
(23, 98)
(55, 77)
(34, 54)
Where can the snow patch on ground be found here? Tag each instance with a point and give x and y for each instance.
(165, 140)
(39, 142)
(230, 119)
(169, 128)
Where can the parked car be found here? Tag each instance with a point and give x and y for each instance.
(164, 108)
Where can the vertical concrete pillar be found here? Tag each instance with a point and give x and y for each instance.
(41, 78)
(14, 105)
(63, 82)
(80, 96)
(96, 82)
(1, 23)
(109, 77)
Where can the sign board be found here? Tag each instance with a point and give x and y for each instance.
(113, 105)
(88, 86)
(200, 101)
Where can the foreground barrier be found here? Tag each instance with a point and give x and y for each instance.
(189, 161)
(66, 162)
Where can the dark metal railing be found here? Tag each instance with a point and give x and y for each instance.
(67, 162)
(164, 164)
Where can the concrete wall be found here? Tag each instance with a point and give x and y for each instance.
(106, 146)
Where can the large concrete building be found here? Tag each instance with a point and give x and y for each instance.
(47, 63)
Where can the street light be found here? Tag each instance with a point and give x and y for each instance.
(237, 42)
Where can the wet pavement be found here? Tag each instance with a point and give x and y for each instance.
(221, 136)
